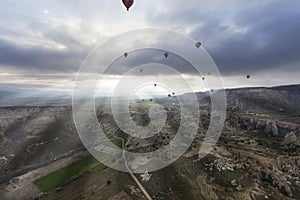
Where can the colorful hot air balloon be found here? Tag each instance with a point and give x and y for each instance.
(127, 3)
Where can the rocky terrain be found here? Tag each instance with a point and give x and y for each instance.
(256, 157)
(32, 135)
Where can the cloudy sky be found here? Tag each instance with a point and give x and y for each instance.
(43, 43)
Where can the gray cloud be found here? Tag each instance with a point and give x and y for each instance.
(246, 39)
(242, 37)
(270, 42)
(39, 59)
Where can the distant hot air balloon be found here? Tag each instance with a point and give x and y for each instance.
(203, 78)
(151, 100)
(173, 93)
(248, 76)
(169, 95)
(155, 85)
(127, 3)
(125, 54)
(166, 54)
(198, 45)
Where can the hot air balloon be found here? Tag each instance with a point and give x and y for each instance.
(169, 95)
(198, 45)
(151, 100)
(155, 85)
(173, 93)
(125, 54)
(203, 78)
(127, 3)
(166, 54)
(248, 76)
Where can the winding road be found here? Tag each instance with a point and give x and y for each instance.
(144, 191)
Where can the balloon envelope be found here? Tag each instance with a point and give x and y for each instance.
(198, 45)
(125, 54)
(127, 3)
(166, 54)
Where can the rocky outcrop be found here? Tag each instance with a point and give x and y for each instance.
(281, 172)
(222, 163)
(269, 126)
(291, 140)
(280, 181)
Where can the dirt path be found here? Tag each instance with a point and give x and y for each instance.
(146, 194)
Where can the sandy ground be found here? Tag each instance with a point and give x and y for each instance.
(22, 187)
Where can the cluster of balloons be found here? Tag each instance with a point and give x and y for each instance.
(166, 54)
(128, 4)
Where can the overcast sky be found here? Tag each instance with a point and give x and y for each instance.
(43, 43)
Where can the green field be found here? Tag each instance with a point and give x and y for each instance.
(59, 177)
(116, 142)
(65, 174)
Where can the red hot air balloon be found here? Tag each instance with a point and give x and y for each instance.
(127, 3)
